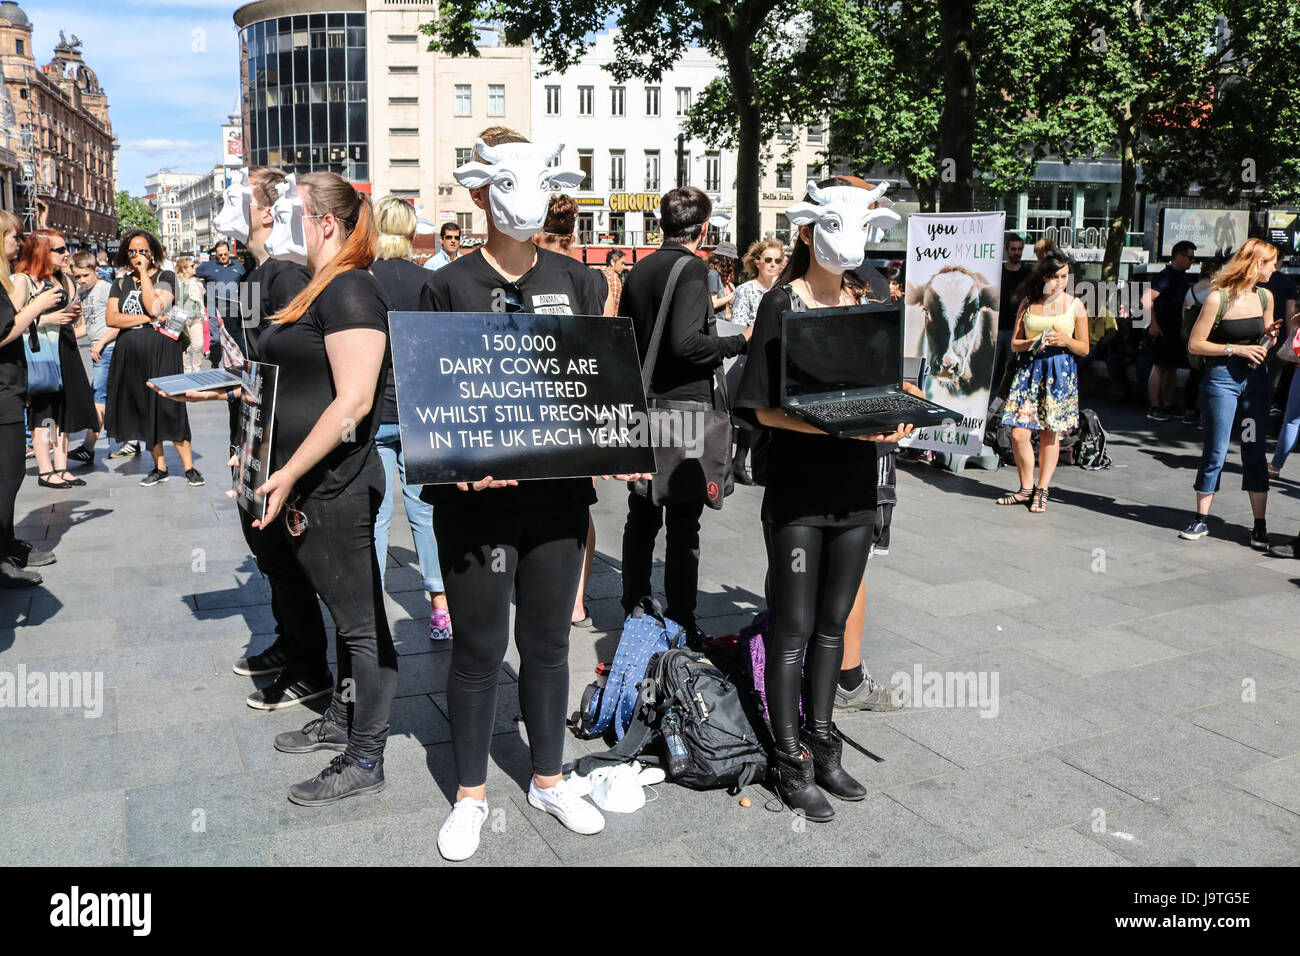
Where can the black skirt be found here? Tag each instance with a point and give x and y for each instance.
(134, 411)
(72, 409)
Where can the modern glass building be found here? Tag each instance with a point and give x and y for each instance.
(304, 83)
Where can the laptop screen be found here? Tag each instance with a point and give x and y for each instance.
(834, 350)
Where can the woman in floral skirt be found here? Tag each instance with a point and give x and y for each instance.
(1051, 329)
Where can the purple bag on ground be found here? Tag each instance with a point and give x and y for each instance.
(754, 653)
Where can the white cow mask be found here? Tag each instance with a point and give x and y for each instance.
(843, 223)
(232, 220)
(287, 240)
(520, 180)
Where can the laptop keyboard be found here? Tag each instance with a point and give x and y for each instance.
(852, 408)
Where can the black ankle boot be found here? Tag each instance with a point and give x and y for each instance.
(740, 471)
(795, 787)
(829, 772)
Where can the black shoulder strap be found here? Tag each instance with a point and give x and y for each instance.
(635, 740)
(652, 350)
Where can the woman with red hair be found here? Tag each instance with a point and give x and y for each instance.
(53, 415)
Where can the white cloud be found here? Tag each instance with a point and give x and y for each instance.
(165, 145)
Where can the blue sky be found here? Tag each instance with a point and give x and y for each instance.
(170, 68)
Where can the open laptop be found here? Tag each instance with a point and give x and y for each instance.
(842, 370)
(201, 381)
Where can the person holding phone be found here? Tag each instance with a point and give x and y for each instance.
(1051, 329)
(134, 412)
(1234, 332)
(818, 512)
(42, 266)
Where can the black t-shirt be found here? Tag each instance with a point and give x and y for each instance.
(275, 282)
(305, 388)
(1171, 286)
(556, 284)
(126, 290)
(1010, 304)
(403, 281)
(811, 479)
(13, 366)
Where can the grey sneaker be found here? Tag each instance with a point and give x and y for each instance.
(868, 695)
(344, 777)
(1195, 531)
(319, 734)
(270, 661)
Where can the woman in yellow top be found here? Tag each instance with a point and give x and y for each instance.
(1051, 329)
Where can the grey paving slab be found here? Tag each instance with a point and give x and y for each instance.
(1224, 671)
(248, 853)
(1277, 782)
(55, 638)
(876, 832)
(1215, 824)
(671, 854)
(1086, 653)
(1266, 722)
(38, 724)
(1057, 848)
(1008, 800)
(81, 830)
(170, 704)
(1284, 643)
(134, 666)
(119, 761)
(1168, 755)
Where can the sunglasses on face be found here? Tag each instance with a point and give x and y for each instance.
(451, 238)
(58, 250)
(137, 252)
(773, 262)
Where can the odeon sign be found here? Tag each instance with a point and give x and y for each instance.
(1070, 237)
(633, 202)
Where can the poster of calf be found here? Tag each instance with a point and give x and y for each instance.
(954, 273)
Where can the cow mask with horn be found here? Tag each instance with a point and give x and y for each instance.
(843, 223)
(520, 180)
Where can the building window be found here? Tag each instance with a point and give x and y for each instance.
(784, 176)
(403, 131)
(402, 38)
(586, 227)
(617, 169)
(552, 101)
(786, 132)
(683, 100)
(496, 99)
(652, 170)
(403, 69)
(712, 172)
(403, 101)
(618, 227)
(814, 171)
(816, 134)
(585, 164)
(783, 227)
(586, 100)
(338, 39)
(463, 100)
(652, 101)
(465, 222)
(21, 47)
(463, 156)
(617, 101)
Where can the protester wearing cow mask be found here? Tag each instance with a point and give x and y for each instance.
(1051, 329)
(537, 528)
(819, 507)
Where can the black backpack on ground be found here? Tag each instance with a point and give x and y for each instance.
(1091, 452)
(703, 703)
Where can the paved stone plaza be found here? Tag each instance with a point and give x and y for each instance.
(1148, 708)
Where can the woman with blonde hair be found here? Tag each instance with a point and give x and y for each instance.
(403, 280)
(1234, 332)
(763, 262)
(16, 556)
(189, 296)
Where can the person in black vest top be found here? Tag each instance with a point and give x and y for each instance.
(689, 354)
(331, 346)
(498, 537)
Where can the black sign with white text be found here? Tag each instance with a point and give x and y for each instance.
(517, 395)
(256, 421)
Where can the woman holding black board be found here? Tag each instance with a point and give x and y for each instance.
(502, 537)
(331, 345)
(819, 507)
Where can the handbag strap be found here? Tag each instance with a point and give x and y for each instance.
(657, 335)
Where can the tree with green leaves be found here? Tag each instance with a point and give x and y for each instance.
(132, 213)
(653, 36)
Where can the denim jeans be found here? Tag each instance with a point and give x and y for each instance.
(1286, 439)
(1226, 388)
(99, 374)
(420, 515)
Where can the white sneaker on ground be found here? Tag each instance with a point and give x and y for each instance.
(458, 838)
(562, 802)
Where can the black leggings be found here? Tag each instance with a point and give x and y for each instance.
(815, 575)
(13, 467)
(485, 556)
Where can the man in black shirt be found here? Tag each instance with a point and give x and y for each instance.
(688, 355)
(1164, 300)
(1013, 273)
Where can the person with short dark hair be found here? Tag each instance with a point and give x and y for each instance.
(221, 275)
(449, 236)
(92, 292)
(616, 265)
(1164, 303)
(1013, 273)
(689, 353)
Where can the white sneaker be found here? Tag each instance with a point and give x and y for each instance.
(458, 838)
(562, 802)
